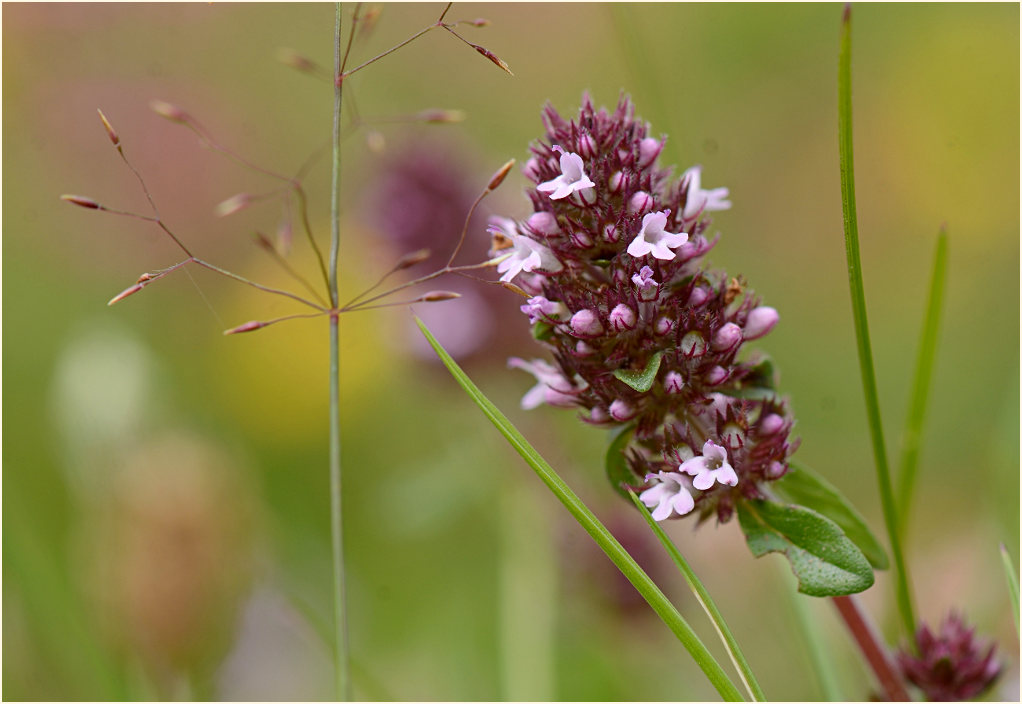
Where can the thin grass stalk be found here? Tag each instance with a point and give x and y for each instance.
(823, 668)
(342, 675)
(706, 602)
(596, 530)
(921, 383)
(858, 296)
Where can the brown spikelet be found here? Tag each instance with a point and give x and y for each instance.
(125, 293)
(494, 58)
(500, 175)
(291, 58)
(434, 296)
(245, 327)
(439, 116)
(81, 201)
(410, 260)
(168, 111)
(232, 205)
(109, 128)
(480, 22)
(514, 289)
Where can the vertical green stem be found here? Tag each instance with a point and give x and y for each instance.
(862, 325)
(342, 674)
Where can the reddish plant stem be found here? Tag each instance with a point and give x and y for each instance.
(872, 648)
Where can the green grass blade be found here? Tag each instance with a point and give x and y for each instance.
(703, 597)
(823, 668)
(1012, 575)
(599, 533)
(921, 383)
(858, 294)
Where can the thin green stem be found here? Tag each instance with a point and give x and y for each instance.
(596, 530)
(921, 384)
(341, 664)
(822, 666)
(861, 324)
(703, 597)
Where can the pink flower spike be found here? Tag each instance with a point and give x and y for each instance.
(572, 179)
(653, 239)
(712, 466)
(670, 496)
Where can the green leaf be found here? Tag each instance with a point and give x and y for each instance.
(641, 381)
(616, 466)
(822, 557)
(541, 330)
(1012, 575)
(803, 486)
(596, 530)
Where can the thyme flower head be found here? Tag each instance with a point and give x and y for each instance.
(952, 665)
(641, 332)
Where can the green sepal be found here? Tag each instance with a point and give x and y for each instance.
(641, 381)
(803, 486)
(541, 330)
(823, 559)
(758, 384)
(619, 473)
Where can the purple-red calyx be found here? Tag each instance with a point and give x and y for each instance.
(612, 257)
(952, 665)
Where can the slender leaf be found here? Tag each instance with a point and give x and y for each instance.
(858, 296)
(804, 487)
(1012, 575)
(822, 557)
(921, 382)
(822, 666)
(615, 464)
(703, 597)
(597, 531)
(641, 381)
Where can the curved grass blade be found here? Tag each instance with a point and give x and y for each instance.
(1012, 575)
(823, 668)
(858, 295)
(921, 383)
(597, 531)
(703, 597)
(807, 488)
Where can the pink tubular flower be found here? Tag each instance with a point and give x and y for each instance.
(552, 389)
(700, 201)
(669, 496)
(653, 239)
(527, 255)
(711, 467)
(572, 179)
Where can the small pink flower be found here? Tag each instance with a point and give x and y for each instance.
(670, 496)
(712, 466)
(572, 179)
(700, 201)
(653, 239)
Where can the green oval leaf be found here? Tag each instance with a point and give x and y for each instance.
(615, 464)
(805, 487)
(822, 557)
(641, 381)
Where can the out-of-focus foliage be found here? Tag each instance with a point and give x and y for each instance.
(156, 470)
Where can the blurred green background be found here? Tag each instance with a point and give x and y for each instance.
(166, 508)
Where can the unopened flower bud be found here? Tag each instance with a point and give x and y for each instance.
(531, 169)
(693, 344)
(581, 239)
(649, 150)
(232, 205)
(663, 326)
(583, 348)
(610, 233)
(502, 172)
(82, 201)
(109, 128)
(168, 111)
(715, 376)
(586, 145)
(732, 435)
(727, 337)
(622, 318)
(771, 424)
(776, 470)
(621, 410)
(543, 223)
(760, 321)
(698, 297)
(640, 202)
(586, 323)
(673, 382)
(616, 181)
(599, 415)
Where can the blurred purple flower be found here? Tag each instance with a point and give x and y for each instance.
(952, 665)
